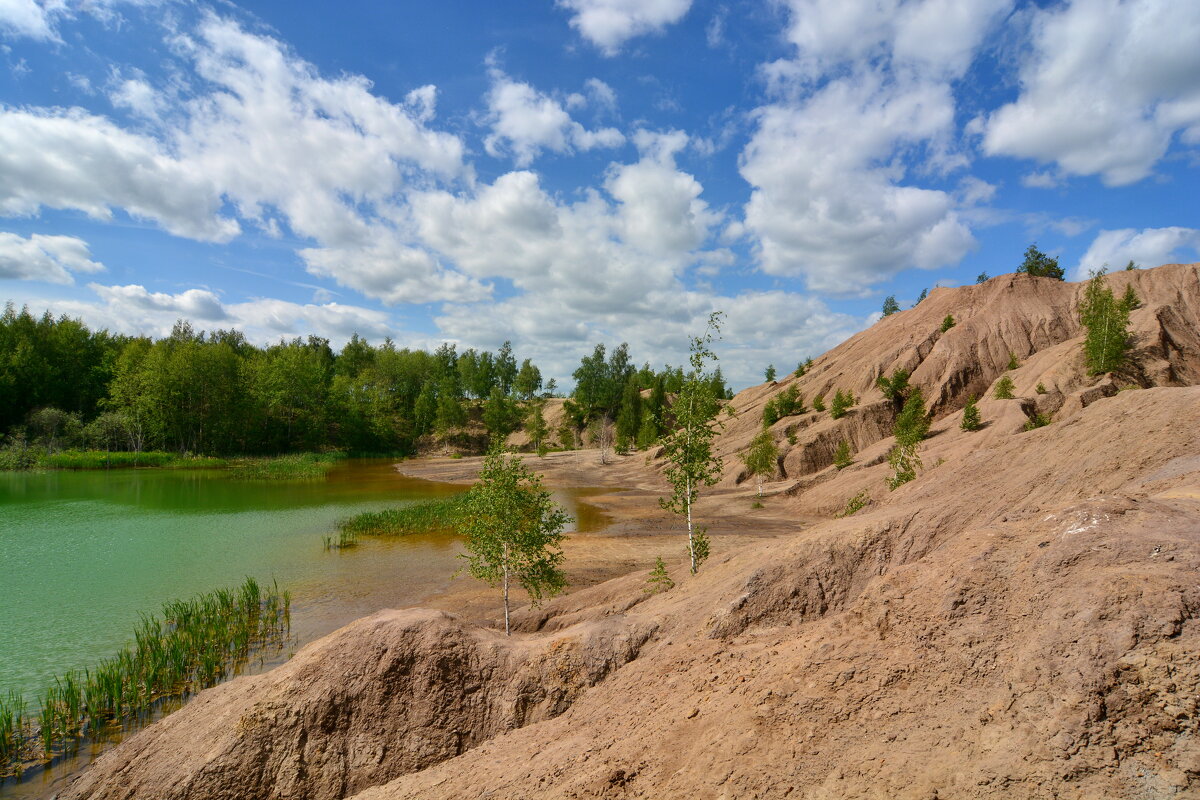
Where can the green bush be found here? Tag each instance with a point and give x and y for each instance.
(841, 456)
(895, 389)
(912, 423)
(971, 420)
(841, 403)
(948, 323)
(1037, 421)
(1004, 388)
(1040, 265)
(855, 504)
(787, 403)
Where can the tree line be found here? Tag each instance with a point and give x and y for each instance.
(215, 393)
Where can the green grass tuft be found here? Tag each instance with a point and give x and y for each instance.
(196, 644)
(428, 516)
(295, 467)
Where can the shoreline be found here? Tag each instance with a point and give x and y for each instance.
(638, 530)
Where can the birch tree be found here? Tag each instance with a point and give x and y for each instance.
(688, 448)
(513, 531)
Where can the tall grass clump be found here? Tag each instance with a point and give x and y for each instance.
(195, 644)
(296, 467)
(120, 459)
(431, 515)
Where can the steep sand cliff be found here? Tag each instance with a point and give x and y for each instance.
(1019, 621)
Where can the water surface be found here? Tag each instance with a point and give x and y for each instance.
(82, 554)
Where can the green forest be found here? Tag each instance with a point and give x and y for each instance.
(214, 393)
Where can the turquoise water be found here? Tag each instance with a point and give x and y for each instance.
(82, 554)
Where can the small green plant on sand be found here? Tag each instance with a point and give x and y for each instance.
(819, 403)
(1004, 389)
(842, 401)
(1041, 388)
(1037, 421)
(660, 579)
(904, 461)
(855, 504)
(1013, 363)
(760, 459)
(971, 420)
(841, 456)
(948, 323)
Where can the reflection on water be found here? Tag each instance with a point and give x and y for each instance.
(82, 554)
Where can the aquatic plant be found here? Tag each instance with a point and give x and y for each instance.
(196, 644)
(299, 466)
(431, 515)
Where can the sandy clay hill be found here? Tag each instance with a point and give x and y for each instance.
(1020, 621)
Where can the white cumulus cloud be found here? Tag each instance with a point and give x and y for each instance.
(1105, 88)
(1149, 247)
(44, 258)
(608, 24)
(827, 201)
(72, 159)
(525, 121)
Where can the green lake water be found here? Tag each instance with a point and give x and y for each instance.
(82, 554)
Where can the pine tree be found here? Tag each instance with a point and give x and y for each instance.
(948, 323)
(921, 297)
(761, 457)
(1130, 300)
(1040, 265)
(688, 448)
(819, 403)
(629, 417)
(841, 402)
(971, 420)
(982, 277)
(770, 373)
(1004, 388)
(841, 456)
(513, 530)
(890, 306)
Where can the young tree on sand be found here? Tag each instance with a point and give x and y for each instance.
(513, 530)
(1107, 323)
(761, 457)
(971, 420)
(688, 448)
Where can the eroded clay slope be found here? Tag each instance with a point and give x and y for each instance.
(387, 694)
(1034, 319)
(994, 633)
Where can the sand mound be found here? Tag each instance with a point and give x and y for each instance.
(1034, 319)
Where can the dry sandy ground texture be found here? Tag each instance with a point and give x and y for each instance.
(1018, 622)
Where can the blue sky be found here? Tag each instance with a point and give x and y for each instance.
(563, 173)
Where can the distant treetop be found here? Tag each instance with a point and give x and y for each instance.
(1040, 265)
